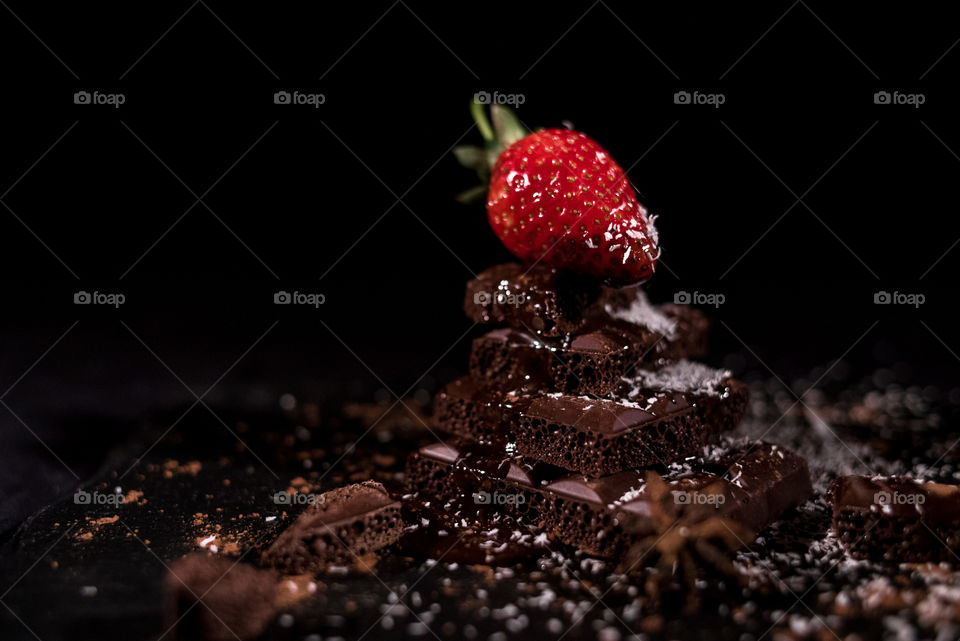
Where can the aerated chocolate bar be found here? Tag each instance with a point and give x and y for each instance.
(653, 417)
(337, 527)
(896, 519)
(752, 484)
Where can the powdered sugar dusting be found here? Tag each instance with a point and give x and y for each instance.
(641, 312)
(682, 376)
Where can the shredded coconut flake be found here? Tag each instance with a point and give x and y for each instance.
(641, 312)
(682, 376)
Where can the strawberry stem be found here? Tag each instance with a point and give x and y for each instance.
(483, 123)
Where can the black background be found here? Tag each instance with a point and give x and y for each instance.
(354, 199)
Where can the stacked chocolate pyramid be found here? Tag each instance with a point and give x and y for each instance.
(586, 391)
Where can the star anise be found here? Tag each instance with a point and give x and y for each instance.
(674, 547)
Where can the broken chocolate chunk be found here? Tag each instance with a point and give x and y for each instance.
(337, 527)
(653, 417)
(538, 298)
(208, 598)
(751, 484)
(896, 519)
(595, 358)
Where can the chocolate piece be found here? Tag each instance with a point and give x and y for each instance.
(540, 299)
(465, 535)
(340, 525)
(896, 519)
(684, 328)
(594, 359)
(217, 599)
(762, 482)
(651, 418)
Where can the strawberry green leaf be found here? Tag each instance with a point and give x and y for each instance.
(473, 195)
(471, 156)
(508, 127)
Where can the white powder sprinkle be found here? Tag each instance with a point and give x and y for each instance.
(682, 376)
(641, 312)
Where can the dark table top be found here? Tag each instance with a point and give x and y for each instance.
(84, 570)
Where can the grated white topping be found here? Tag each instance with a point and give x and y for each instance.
(641, 312)
(682, 376)
(630, 495)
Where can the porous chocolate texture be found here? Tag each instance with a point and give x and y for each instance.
(208, 598)
(594, 359)
(896, 519)
(654, 417)
(538, 298)
(753, 484)
(339, 526)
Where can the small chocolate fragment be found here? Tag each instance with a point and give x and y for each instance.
(654, 417)
(207, 598)
(538, 298)
(340, 525)
(751, 484)
(594, 359)
(896, 519)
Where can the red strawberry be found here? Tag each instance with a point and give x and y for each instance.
(556, 196)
